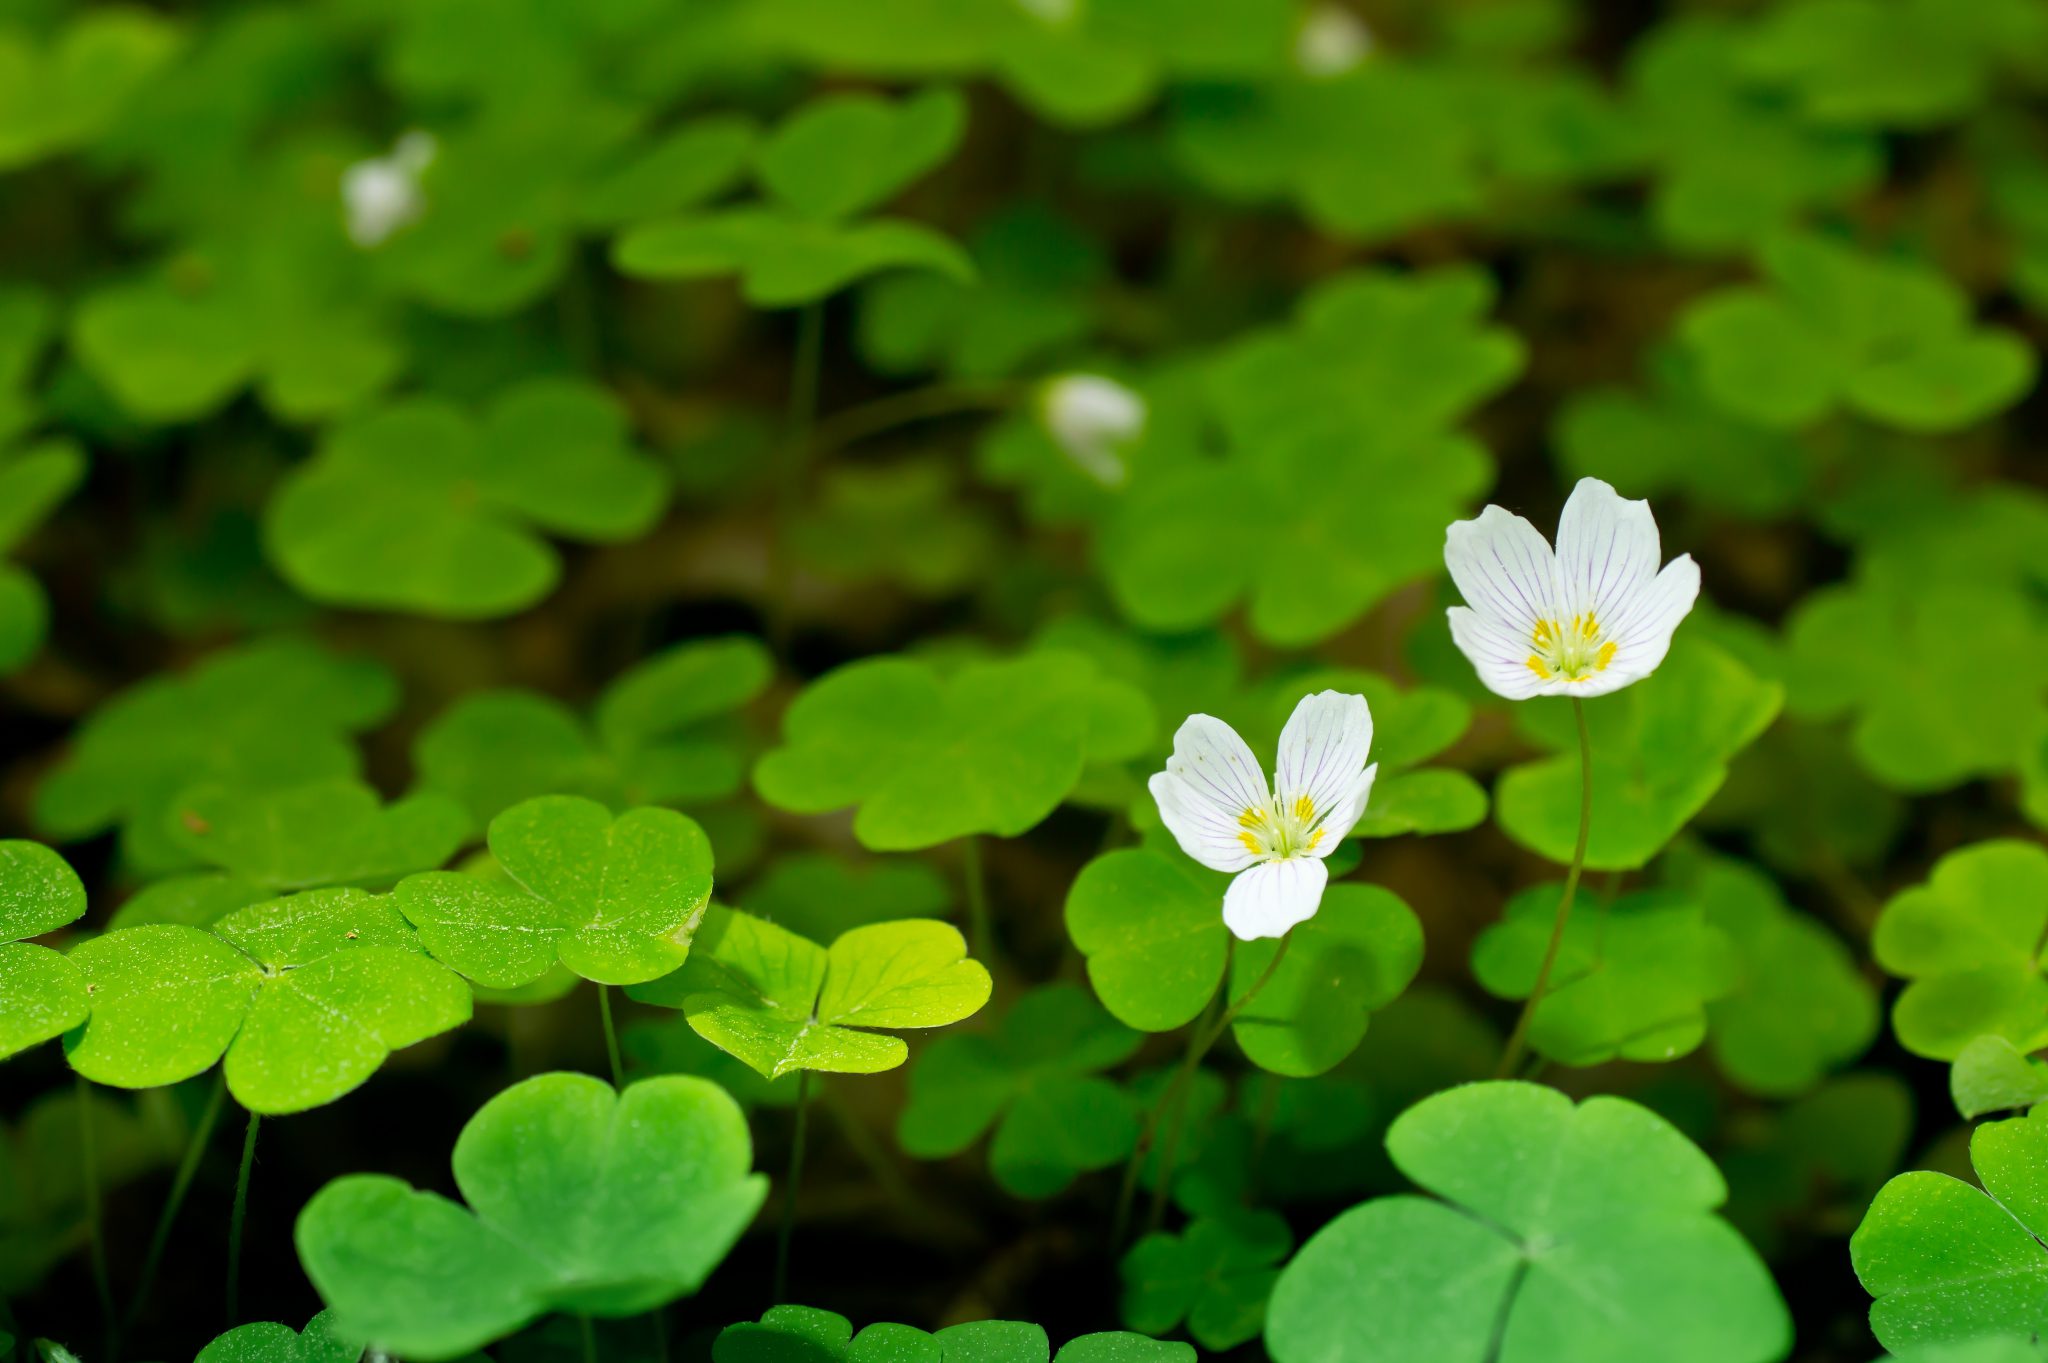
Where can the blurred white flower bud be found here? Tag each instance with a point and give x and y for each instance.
(1331, 41)
(1094, 420)
(1052, 13)
(382, 194)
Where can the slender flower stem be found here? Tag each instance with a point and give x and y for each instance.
(589, 1338)
(902, 409)
(789, 478)
(240, 1214)
(611, 1036)
(88, 1164)
(1127, 1192)
(980, 929)
(787, 1229)
(181, 1183)
(1519, 1038)
(1169, 1154)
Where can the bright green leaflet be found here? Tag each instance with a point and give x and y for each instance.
(305, 995)
(616, 900)
(1034, 1082)
(1888, 339)
(1660, 751)
(804, 1334)
(580, 1199)
(832, 160)
(1991, 1075)
(1946, 1261)
(1970, 943)
(1940, 676)
(1989, 1349)
(1355, 956)
(306, 837)
(32, 482)
(1632, 979)
(655, 735)
(820, 896)
(992, 748)
(422, 507)
(258, 717)
(42, 994)
(267, 1342)
(1546, 1206)
(782, 1003)
(1150, 924)
(1215, 1276)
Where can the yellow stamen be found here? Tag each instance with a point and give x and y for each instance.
(1251, 843)
(1304, 809)
(1570, 652)
(1315, 838)
(1252, 817)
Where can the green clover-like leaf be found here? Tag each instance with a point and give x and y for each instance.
(1216, 1276)
(784, 260)
(65, 94)
(1820, 1158)
(1632, 978)
(268, 1342)
(804, 1334)
(1947, 1261)
(904, 523)
(845, 154)
(1991, 1075)
(420, 507)
(1891, 340)
(1034, 1082)
(782, 1003)
(258, 717)
(310, 836)
(1945, 680)
(654, 736)
(1660, 751)
(42, 993)
(581, 1199)
(304, 995)
(616, 900)
(1970, 943)
(1547, 1206)
(992, 748)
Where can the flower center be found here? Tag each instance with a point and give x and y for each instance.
(1281, 831)
(1572, 652)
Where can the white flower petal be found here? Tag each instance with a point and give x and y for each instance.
(1504, 569)
(1348, 808)
(1209, 782)
(1322, 750)
(1642, 624)
(1501, 660)
(1274, 896)
(1606, 549)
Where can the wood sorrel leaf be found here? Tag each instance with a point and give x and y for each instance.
(42, 994)
(617, 900)
(258, 717)
(581, 1199)
(305, 996)
(1034, 1082)
(1946, 1261)
(1660, 751)
(993, 748)
(782, 1003)
(422, 507)
(1546, 1206)
(1969, 942)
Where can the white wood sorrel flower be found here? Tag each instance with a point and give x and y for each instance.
(1215, 802)
(1094, 420)
(1588, 619)
(382, 194)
